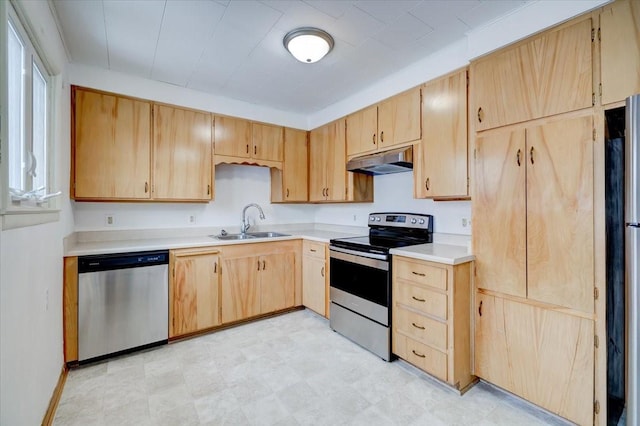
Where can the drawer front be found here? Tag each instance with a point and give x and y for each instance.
(422, 356)
(420, 298)
(426, 330)
(420, 273)
(313, 248)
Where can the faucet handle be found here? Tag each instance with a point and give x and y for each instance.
(223, 232)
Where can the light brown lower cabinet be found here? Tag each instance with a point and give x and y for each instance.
(315, 277)
(543, 355)
(431, 318)
(259, 278)
(194, 290)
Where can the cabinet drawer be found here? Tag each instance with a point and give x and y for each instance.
(313, 248)
(426, 330)
(420, 273)
(422, 356)
(420, 298)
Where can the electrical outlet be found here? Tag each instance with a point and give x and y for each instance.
(466, 222)
(355, 218)
(109, 220)
(192, 219)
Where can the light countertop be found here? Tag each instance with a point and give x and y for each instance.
(108, 242)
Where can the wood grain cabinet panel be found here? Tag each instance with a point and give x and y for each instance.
(194, 291)
(183, 160)
(111, 146)
(362, 131)
(290, 184)
(542, 355)
(620, 50)
(242, 141)
(440, 159)
(267, 142)
(315, 277)
(276, 282)
(547, 75)
(232, 136)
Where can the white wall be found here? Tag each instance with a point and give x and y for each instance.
(31, 347)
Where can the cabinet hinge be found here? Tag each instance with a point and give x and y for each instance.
(596, 293)
(474, 153)
(599, 35)
(600, 91)
(596, 341)
(593, 34)
(594, 134)
(596, 407)
(593, 98)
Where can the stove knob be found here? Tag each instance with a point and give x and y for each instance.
(378, 219)
(372, 218)
(421, 222)
(413, 221)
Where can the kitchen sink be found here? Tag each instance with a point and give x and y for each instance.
(249, 235)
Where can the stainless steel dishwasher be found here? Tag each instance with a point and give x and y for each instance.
(123, 303)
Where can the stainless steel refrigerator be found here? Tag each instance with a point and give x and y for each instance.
(632, 248)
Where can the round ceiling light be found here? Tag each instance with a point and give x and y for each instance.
(308, 44)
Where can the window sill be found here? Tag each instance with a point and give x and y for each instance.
(21, 219)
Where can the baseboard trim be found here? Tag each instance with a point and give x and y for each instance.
(55, 398)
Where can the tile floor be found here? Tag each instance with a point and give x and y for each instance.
(286, 370)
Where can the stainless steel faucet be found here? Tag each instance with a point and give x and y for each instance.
(245, 223)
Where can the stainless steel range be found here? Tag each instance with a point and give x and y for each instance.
(360, 277)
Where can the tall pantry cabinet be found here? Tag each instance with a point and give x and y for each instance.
(533, 206)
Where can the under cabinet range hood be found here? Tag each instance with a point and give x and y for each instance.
(383, 163)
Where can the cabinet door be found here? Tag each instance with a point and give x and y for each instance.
(544, 356)
(240, 288)
(560, 240)
(232, 136)
(277, 282)
(441, 166)
(194, 293)
(183, 160)
(399, 119)
(499, 212)
(620, 50)
(314, 284)
(548, 75)
(111, 146)
(318, 157)
(362, 131)
(295, 167)
(336, 161)
(267, 142)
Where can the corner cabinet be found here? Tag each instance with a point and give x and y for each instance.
(329, 180)
(290, 184)
(259, 278)
(194, 290)
(111, 146)
(441, 157)
(431, 318)
(126, 149)
(393, 122)
(547, 75)
(315, 277)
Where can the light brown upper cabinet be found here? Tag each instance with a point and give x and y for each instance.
(183, 160)
(244, 140)
(194, 290)
(111, 146)
(290, 184)
(620, 50)
(440, 160)
(328, 177)
(543, 76)
(395, 121)
(534, 198)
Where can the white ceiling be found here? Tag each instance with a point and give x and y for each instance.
(234, 48)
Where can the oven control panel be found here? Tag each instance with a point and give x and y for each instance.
(405, 220)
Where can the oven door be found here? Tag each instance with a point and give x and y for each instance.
(360, 283)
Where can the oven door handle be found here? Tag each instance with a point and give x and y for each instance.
(377, 261)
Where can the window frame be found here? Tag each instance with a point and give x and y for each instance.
(18, 214)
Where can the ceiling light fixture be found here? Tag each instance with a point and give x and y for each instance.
(308, 44)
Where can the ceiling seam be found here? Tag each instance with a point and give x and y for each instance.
(155, 52)
(213, 33)
(106, 37)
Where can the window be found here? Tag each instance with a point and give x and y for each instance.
(26, 155)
